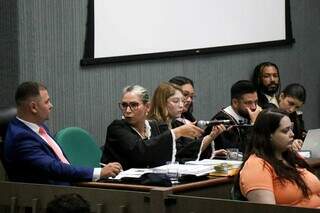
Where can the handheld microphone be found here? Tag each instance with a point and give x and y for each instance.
(203, 124)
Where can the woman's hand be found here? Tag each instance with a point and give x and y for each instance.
(297, 145)
(217, 130)
(220, 152)
(189, 130)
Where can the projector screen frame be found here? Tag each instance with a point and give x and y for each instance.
(88, 56)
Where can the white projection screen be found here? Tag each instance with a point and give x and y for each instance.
(123, 30)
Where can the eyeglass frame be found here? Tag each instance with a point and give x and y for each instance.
(132, 108)
(189, 95)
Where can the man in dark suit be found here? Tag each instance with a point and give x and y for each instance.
(266, 79)
(31, 154)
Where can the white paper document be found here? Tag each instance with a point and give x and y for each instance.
(197, 168)
(184, 169)
(213, 162)
(132, 173)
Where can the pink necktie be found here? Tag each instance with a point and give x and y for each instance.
(53, 145)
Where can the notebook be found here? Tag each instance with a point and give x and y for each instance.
(312, 143)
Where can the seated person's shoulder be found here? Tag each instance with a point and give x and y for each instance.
(117, 126)
(118, 123)
(256, 174)
(256, 164)
(160, 127)
(18, 133)
(221, 115)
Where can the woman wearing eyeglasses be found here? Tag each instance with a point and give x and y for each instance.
(166, 107)
(136, 142)
(187, 88)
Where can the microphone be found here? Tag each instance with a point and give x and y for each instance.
(203, 124)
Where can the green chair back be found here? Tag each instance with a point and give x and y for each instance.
(79, 147)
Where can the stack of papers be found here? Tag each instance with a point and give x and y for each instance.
(220, 167)
(212, 162)
(197, 168)
(186, 169)
(132, 173)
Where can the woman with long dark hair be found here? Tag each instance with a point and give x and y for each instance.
(187, 87)
(272, 172)
(291, 99)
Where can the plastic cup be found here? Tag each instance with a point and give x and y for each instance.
(173, 171)
(232, 154)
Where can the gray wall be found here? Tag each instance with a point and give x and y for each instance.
(50, 43)
(8, 52)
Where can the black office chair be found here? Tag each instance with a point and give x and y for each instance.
(6, 115)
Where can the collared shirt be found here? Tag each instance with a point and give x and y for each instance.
(147, 130)
(236, 116)
(34, 127)
(272, 99)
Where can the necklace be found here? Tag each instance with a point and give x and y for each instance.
(142, 134)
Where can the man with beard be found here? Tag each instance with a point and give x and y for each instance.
(242, 113)
(266, 79)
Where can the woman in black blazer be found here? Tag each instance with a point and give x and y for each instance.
(136, 142)
(291, 99)
(187, 88)
(166, 107)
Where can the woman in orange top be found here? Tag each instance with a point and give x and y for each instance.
(272, 172)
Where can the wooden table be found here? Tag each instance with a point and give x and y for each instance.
(217, 187)
(211, 185)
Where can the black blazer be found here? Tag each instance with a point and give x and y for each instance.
(236, 137)
(187, 148)
(264, 103)
(298, 125)
(124, 145)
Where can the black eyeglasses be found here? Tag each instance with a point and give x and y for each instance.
(189, 95)
(132, 105)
